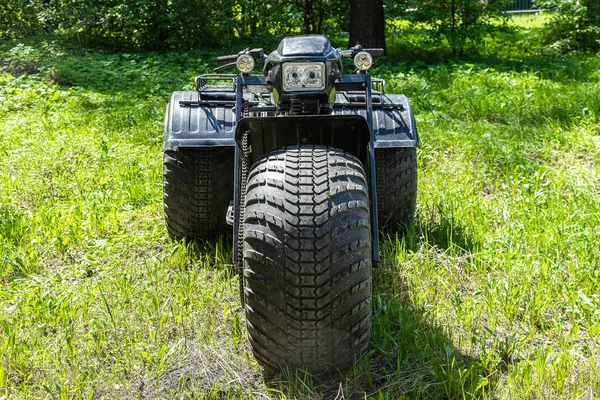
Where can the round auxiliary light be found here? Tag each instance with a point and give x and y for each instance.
(363, 60)
(245, 63)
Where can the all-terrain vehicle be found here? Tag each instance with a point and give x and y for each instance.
(307, 164)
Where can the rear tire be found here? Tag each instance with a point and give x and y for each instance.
(307, 259)
(198, 185)
(396, 186)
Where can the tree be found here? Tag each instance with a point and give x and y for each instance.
(321, 15)
(309, 16)
(593, 11)
(19, 18)
(460, 22)
(575, 24)
(367, 23)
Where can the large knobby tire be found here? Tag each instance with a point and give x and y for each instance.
(197, 188)
(307, 259)
(396, 186)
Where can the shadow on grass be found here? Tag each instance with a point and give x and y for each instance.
(214, 252)
(160, 73)
(409, 356)
(509, 49)
(440, 229)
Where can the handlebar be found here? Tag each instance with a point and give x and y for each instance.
(257, 54)
(354, 50)
(374, 52)
(227, 59)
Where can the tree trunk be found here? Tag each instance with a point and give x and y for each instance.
(593, 12)
(309, 17)
(367, 23)
(158, 24)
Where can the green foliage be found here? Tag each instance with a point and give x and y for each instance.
(179, 24)
(575, 24)
(173, 24)
(288, 17)
(19, 18)
(146, 24)
(460, 22)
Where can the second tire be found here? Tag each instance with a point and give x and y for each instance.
(396, 186)
(198, 185)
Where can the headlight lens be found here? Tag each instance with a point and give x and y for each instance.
(363, 60)
(245, 63)
(303, 76)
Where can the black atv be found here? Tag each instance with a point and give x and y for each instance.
(307, 164)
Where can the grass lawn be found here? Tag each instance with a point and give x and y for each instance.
(493, 293)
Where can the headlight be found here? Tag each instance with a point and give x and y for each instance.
(363, 60)
(303, 76)
(245, 63)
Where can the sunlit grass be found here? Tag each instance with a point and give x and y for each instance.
(492, 293)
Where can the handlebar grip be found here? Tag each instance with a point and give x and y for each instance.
(227, 59)
(374, 52)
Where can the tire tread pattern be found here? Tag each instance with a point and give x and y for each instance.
(198, 185)
(396, 186)
(307, 259)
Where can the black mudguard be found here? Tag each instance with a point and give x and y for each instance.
(198, 126)
(393, 120)
(214, 125)
(266, 134)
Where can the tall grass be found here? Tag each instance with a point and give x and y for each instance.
(492, 293)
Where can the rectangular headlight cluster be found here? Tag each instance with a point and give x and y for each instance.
(303, 76)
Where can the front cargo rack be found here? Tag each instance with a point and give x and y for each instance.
(202, 82)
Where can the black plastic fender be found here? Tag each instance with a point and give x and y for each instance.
(266, 134)
(189, 125)
(393, 120)
(198, 126)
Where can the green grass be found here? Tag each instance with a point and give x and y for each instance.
(494, 292)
